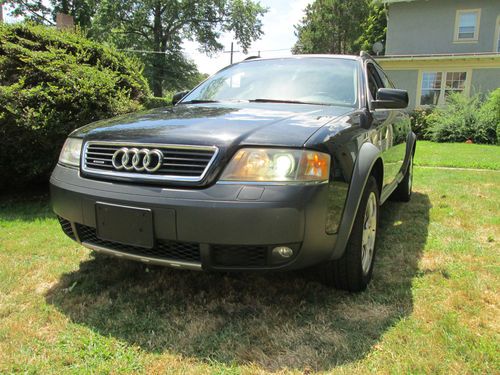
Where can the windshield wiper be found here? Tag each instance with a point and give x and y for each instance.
(199, 101)
(282, 101)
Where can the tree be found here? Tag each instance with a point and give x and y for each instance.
(374, 27)
(162, 25)
(338, 26)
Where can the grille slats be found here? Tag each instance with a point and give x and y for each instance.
(104, 167)
(103, 148)
(190, 153)
(98, 158)
(66, 227)
(182, 163)
(200, 160)
(239, 256)
(189, 163)
(168, 250)
(99, 153)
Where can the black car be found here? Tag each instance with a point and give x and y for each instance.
(270, 164)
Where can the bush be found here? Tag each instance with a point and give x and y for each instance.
(489, 117)
(463, 119)
(52, 82)
(419, 123)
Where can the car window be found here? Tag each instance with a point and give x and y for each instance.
(374, 81)
(310, 80)
(385, 80)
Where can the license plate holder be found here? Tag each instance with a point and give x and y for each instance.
(126, 225)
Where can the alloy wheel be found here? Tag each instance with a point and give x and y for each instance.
(369, 233)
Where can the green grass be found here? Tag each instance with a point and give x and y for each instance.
(433, 305)
(457, 155)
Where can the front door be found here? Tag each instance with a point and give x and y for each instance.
(392, 126)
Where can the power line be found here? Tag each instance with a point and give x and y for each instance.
(190, 52)
(142, 51)
(231, 52)
(263, 50)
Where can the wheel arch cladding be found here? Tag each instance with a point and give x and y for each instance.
(377, 171)
(411, 145)
(413, 138)
(368, 159)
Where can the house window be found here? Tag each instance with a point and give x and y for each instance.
(497, 39)
(436, 86)
(431, 88)
(467, 25)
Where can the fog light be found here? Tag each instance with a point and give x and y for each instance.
(283, 251)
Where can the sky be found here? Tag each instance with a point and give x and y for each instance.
(279, 34)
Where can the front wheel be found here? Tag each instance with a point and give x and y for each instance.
(353, 271)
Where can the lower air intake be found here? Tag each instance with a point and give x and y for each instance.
(168, 250)
(66, 227)
(239, 256)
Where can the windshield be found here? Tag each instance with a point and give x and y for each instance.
(329, 81)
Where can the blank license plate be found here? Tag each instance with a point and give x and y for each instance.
(126, 225)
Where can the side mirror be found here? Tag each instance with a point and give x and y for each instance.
(390, 99)
(178, 96)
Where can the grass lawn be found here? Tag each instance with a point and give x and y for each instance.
(433, 306)
(458, 155)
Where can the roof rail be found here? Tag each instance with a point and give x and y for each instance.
(364, 54)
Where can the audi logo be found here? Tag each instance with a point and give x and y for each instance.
(137, 159)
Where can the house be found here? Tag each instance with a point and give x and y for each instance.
(435, 47)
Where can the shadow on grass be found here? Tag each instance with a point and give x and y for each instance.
(275, 321)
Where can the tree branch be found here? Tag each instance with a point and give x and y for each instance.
(28, 9)
(133, 31)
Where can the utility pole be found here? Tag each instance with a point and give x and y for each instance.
(232, 50)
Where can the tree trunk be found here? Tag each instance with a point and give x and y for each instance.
(157, 75)
(65, 7)
(159, 58)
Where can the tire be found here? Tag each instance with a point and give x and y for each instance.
(353, 271)
(403, 191)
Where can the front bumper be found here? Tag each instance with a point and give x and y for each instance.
(227, 226)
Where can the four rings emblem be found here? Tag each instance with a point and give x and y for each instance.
(137, 159)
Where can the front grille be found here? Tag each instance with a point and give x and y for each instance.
(168, 250)
(180, 163)
(239, 256)
(66, 227)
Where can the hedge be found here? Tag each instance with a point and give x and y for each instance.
(466, 118)
(419, 123)
(52, 82)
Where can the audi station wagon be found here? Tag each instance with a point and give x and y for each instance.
(269, 165)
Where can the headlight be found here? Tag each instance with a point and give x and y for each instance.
(70, 153)
(252, 164)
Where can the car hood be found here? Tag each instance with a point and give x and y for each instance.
(219, 124)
